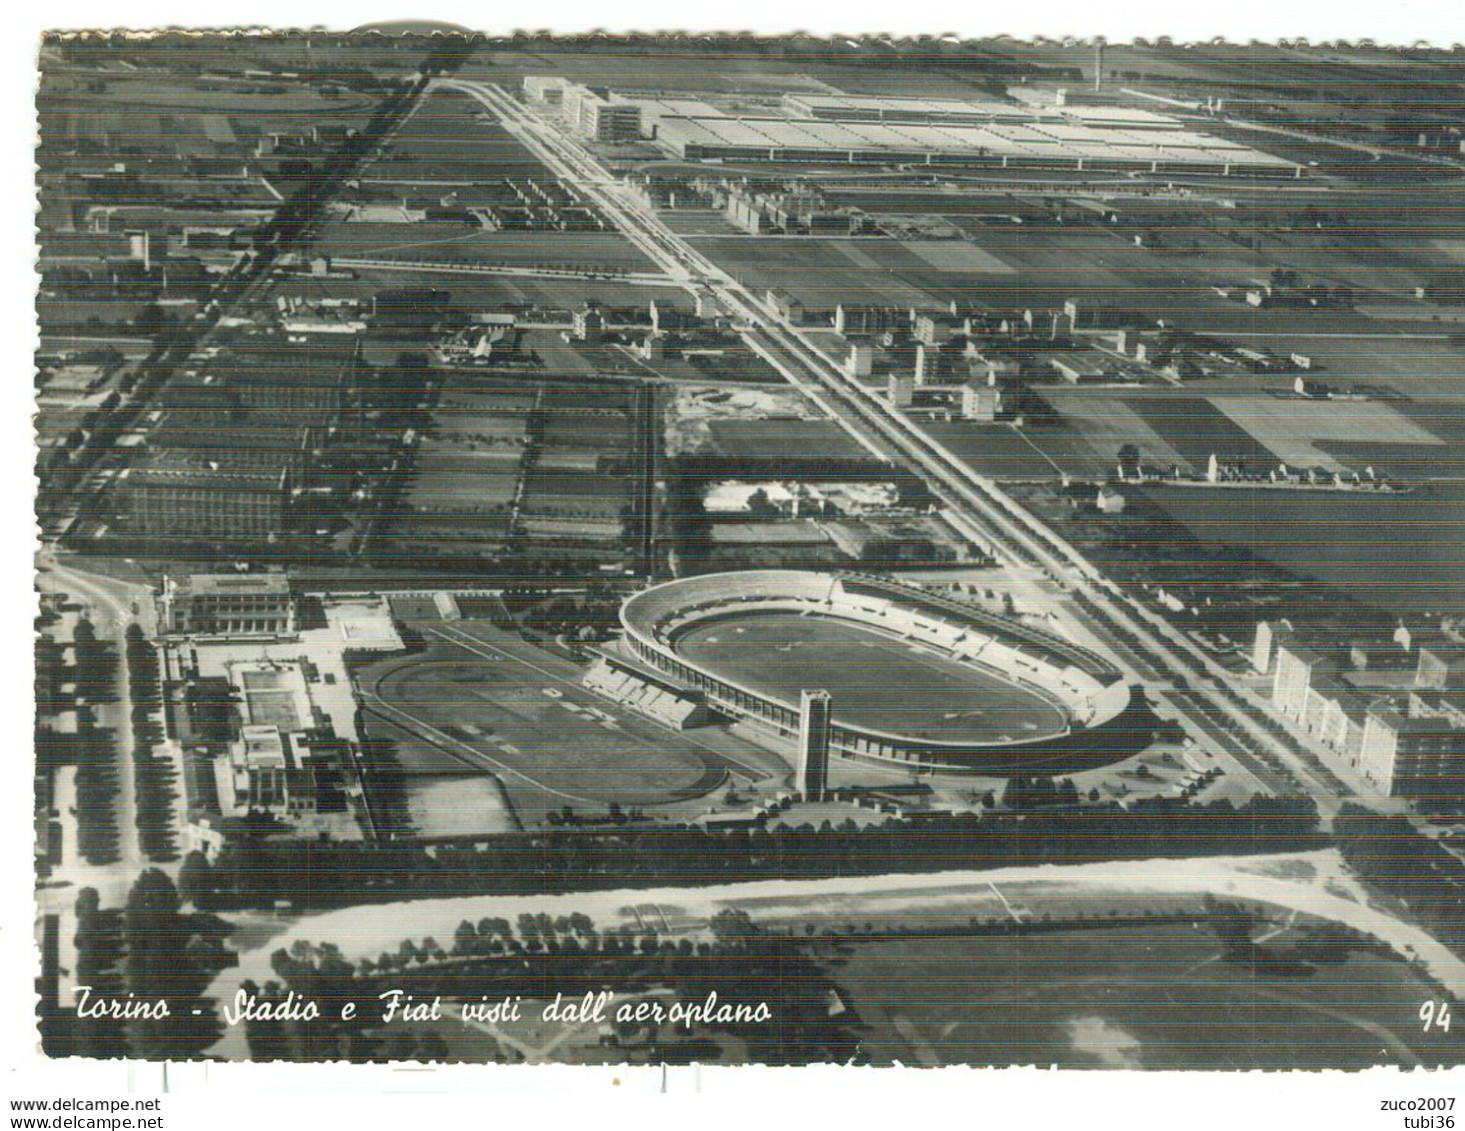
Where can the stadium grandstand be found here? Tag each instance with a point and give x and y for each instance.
(659, 699)
(917, 679)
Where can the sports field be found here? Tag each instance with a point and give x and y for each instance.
(878, 681)
(479, 698)
(1140, 995)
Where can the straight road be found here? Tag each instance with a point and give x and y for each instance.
(1014, 534)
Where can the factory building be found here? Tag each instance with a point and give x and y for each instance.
(1036, 144)
(272, 375)
(857, 108)
(600, 119)
(592, 114)
(545, 90)
(227, 604)
(177, 495)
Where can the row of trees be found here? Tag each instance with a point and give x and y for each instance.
(1390, 855)
(150, 949)
(742, 963)
(155, 785)
(256, 873)
(91, 749)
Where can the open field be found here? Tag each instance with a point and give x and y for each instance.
(878, 681)
(1153, 995)
(1107, 421)
(779, 437)
(573, 492)
(457, 805)
(957, 256)
(477, 420)
(452, 242)
(197, 116)
(451, 138)
(472, 292)
(1407, 439)
(506, 722)
(456, 478)
(1196, 428)
(1354, 542)
(1289, 427)
(1005, 452)
(666, 68)
(596, 432)
(823, 273)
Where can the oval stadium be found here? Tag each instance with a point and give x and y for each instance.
(916, 679)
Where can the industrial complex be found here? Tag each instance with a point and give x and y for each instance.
(869, 130)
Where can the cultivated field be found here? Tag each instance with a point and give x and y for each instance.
(455, 242)
(1005, 452)
(1289, 427)
(455, 478)
(1353, 542)
(784, 436)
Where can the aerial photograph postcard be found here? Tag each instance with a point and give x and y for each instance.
(727, 550)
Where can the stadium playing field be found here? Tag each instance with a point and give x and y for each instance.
(480, 698)
(878, 681)
(533, 730)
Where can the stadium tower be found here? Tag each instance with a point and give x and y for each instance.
(814, 711)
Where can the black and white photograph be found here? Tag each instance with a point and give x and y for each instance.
(705, 551)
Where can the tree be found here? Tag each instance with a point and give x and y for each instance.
(1017, 794)
(733, 925)
(155, 938)
(196, 883)
(1233, 926)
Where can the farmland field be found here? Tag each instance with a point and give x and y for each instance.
(1196, 428)
(957, 255)
(1009, 453)
(573, 492)
(1288, 426)
(774, 438)
(821, 273)
(455, 478)
(1404, 438)
(597, 432)
(1351, 541)
(442, 241)
(452, 136)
